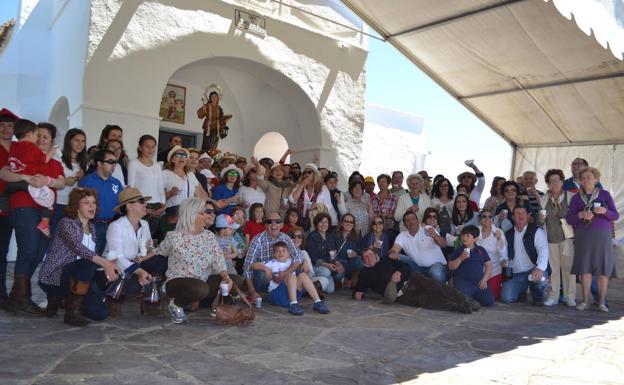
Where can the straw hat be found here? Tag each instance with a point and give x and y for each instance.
(467, 173)
(128, 195)
(175, 149)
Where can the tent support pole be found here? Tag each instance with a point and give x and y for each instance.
(514, 150)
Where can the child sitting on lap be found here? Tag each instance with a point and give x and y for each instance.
(472, 267)
(287, 292)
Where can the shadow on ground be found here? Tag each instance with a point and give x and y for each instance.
(359, 343)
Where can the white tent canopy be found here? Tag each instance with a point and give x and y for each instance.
(527, 71)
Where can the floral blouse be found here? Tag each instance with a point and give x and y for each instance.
(192, 255)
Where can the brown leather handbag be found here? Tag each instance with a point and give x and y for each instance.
(232, 314)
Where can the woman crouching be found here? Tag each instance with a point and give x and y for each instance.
(196, 266)
(71, 264)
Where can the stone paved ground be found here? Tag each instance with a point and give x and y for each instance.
(359, 343)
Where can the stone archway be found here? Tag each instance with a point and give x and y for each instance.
(272, 145)
(261, 99)
(59, 116)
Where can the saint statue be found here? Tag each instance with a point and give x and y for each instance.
(215, 122)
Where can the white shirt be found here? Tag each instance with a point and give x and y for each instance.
(87, 241)
(521, 261)
(475, 194)
(127, 244)
(324, 197)
(62, 196)
(185, 186)
(497, 250)
(437, 203)
(421, 248)
(277, 267)
(118, 174)
(250, 195)
(149, 180)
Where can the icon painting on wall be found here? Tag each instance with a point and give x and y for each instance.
(172, 104)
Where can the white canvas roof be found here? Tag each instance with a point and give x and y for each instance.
(526, 70)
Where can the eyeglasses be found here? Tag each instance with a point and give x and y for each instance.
(378, 223)
(181, 155)
(297, 236)
(238, 215)
(273, 221)
(209, 211)
(486, 216)
(348, 221)
(140, 200)
(432, 216)
(109, 161)
(510, 190)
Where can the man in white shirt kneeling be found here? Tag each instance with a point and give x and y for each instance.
(527, 247)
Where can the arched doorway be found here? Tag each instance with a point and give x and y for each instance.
(59, 116)
(262, 101)
(272, 145)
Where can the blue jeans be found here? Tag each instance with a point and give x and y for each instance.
(260, 282)
(472, 290)
(437, 271)
(100, 237)
(322, 271)
(31, 243)
(6, 229)
(351, 264)
(518, 284)
(59, 212)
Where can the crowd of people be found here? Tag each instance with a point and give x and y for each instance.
(196, 225)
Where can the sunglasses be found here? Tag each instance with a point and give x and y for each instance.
(432, 216)
(306, 172)
(209, 211)
(109, 161)
(273, 221)
(180, 155)
(140, 200)
(378, 223)
(232, 173)
(297, 236)
(487, 216)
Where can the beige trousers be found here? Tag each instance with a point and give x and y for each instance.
(560, 260)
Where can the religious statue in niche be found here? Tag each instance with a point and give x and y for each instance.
(215, 122)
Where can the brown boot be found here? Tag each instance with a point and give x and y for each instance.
(20, 300)
(73, 303)
(53, 306)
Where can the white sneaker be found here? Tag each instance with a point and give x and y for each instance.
(571, 302)
(177, 313)
(603, 308)
(582, 306)
(551, 301)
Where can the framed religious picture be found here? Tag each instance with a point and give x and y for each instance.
(173, 104)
